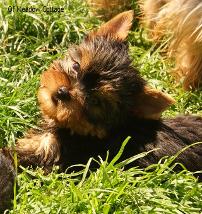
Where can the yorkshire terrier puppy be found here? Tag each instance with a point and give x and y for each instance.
(179, 21)
(94, 98)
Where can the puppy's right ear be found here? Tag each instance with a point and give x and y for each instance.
(117, 28)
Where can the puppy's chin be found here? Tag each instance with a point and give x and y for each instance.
(65, 112)
(70, 116)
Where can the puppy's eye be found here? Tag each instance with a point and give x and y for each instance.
(76, 66)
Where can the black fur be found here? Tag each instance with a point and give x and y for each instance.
(110, 64)
(7, 177)
(170, 136)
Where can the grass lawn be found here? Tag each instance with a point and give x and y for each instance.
(29, 42)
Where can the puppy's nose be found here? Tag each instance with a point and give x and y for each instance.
(63, 94)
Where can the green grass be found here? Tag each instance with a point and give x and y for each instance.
(28, 44)
(110, 190)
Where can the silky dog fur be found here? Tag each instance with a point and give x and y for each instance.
(106, 9)
(179, 22)
(93, 98)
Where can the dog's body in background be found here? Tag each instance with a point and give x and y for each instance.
(180, 22)
(94, 98)
(106, 9)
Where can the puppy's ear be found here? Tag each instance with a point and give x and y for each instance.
(116, 28)
(151, 103)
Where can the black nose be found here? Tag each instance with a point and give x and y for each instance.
(62, 94)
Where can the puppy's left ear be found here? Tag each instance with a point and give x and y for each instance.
(116, 28)
(151, 103)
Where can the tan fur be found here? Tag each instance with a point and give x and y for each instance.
(107, 88)
(150, 9)
(118, 27)
(151, 103)
(63, 114)
(41, 148)
(181, 22)
(106, 9)
(86, 57)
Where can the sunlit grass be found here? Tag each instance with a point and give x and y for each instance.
(110, 189)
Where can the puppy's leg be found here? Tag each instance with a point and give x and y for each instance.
(38, 149)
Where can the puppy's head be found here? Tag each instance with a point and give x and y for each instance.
(95, 88)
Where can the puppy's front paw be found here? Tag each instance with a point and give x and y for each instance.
(38, 150)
